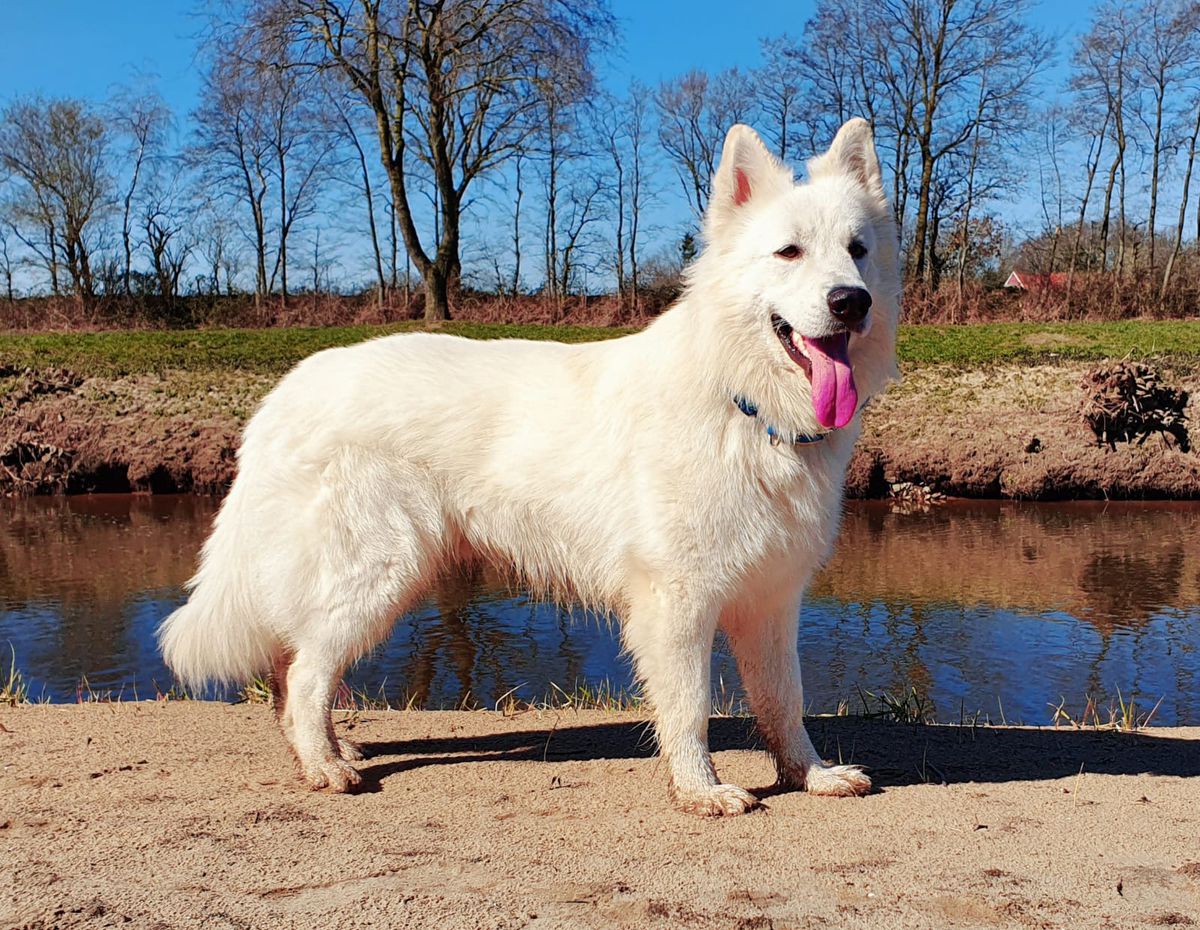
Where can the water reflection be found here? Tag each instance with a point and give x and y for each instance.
(976, 605)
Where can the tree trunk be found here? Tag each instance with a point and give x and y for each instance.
(965, 239)
(1122, 224)
(283, 230)
(371, 225)
(1183, 205)
(127, 208)
(552, 213)
(1092, 167)
(920, 264)
(437, 297)
(1158, 120)
(260, 290)
(516, 235)
(620, 232)
(1106, 212)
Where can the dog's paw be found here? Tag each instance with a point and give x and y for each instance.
(715, 801)
(839, 781)
(335, 774)
(349, 750)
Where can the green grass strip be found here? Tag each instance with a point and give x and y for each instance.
(276, 350)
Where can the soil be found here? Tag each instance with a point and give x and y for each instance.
(159, 433)
(189, 814)
(1011, 432)
(1000, 432)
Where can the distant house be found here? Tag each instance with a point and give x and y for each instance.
(1028, 281)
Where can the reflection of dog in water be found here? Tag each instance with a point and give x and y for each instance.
(684, 478)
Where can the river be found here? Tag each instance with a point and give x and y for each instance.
(998, 609)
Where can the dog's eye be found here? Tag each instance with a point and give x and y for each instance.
(857, 250)
(790, 252)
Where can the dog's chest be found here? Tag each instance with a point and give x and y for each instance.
(785, 511)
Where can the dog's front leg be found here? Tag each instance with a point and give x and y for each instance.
(767, 651)
(672, 650)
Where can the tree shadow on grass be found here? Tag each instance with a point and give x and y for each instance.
(894, 754)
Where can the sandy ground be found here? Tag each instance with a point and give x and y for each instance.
(189, 815)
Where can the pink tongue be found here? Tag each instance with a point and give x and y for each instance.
(835, 399)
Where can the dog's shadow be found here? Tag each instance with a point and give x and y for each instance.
(894, 754)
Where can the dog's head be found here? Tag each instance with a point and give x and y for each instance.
(811, 267)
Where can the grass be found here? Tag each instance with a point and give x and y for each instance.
(14, 689)
(259, 350)
(1123, 715)
(993, 343)
(274, 351)
(907, 707)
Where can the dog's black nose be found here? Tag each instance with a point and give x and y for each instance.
(849, 304)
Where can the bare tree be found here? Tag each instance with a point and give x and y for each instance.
(449, 85)
(1051, 189)
(1103, 72)
(1187, 24)
(234, 157)
(940, 81)
(1161, 51)
(958, 46)
(561, 140)
(321, 266)
(623, 127)
(142, 121)
(7, 259)
(518, 197)
(345, 111)
(1095, 136)
(578, 216)
(878, 82)
(262, 141)
(977, 151)
(166, 225)
(56, 153)
(217, 249)
(640, 189)
(781, 95)
(694, 113)
(1190, 162)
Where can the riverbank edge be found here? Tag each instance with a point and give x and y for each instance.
(1125, 714)
(1008, 429)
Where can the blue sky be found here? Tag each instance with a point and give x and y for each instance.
(84, 48)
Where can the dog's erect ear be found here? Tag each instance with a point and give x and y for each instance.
(852, 154)
(747, 172)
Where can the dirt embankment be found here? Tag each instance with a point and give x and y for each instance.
(1012, 431)
(1005, 431)
(60, 433)
(185, 815)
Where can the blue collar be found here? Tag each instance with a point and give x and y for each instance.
(795, 439)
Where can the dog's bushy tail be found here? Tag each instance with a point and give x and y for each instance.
(219, 634)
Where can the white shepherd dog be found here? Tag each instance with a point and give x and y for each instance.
(684, 478)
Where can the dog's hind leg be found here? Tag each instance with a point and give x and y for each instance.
(671, 643)
(381, 533)
(312, 683)
(767, 651)
(280, 664)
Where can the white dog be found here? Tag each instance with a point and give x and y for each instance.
(682, 478)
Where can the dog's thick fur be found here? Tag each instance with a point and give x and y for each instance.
(618, 473)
